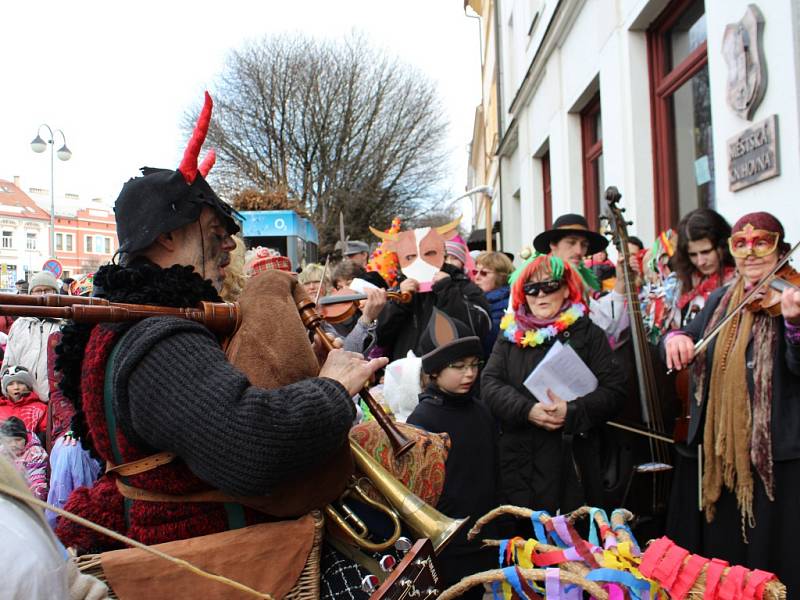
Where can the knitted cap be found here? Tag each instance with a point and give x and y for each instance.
(14, 373)
(445, 340)
(14, 427)
(456, 250)
(44, 278)
(264, 259)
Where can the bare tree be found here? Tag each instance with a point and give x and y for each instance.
(338, 126)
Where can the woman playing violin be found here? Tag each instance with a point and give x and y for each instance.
(745, 417)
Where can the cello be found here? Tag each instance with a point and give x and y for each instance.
(644, 434)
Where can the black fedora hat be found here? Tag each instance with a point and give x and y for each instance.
(565, 225)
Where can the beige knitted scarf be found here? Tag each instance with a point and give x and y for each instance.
(737, 429)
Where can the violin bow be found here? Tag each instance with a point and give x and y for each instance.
(703, 342)
(322, 281)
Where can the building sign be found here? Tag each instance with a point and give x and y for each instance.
(747, 68)
(753, 154)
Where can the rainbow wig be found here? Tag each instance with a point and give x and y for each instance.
(547, 266)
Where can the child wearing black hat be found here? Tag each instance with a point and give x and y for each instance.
(452, 361)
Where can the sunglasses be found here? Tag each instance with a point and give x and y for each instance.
(534, 288)
(482, 272)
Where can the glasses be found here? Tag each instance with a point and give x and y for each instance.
(758, 242)
(482, 272)
(463, 367)
(534, 288)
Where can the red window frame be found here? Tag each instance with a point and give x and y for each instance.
(592, 148)
(547, 197)
(665, 80)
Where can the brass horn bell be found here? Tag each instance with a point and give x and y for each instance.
(423, 520)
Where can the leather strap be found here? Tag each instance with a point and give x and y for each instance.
(134, 493)
(135, 467)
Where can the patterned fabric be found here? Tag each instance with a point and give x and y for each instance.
(421, 469)
(340, 577)
(792, 333)
(32, 463)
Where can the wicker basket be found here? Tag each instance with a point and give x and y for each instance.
(307, 586)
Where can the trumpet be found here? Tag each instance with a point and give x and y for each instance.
(423, 520)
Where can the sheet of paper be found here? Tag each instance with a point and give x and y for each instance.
(563, 372)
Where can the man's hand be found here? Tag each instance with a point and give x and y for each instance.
(320, 349)
(680, 350)
(409, 285)
(439, 276)
(790, 306)
(350, 369)
(373, 305)
(619, 286)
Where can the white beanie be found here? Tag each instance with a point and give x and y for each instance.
(19, 374)
(45, 278)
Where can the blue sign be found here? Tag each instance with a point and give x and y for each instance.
(272, 223)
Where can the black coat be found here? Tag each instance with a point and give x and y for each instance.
(559, 469)
(401, 325)
(785, 386)
(470, 474)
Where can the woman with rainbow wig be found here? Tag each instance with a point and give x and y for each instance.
(549, 449)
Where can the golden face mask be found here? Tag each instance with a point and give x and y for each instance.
(758, 242)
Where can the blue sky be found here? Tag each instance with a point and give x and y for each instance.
(118, 76)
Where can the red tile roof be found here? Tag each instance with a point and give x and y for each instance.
(16, 203)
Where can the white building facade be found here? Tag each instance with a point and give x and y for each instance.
(678, 103)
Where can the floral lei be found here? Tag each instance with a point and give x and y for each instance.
(535, 337)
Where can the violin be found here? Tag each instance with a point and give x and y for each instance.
(342, 304)
(770, 302)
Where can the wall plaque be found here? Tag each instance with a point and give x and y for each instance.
(747, 68)
(753, 154)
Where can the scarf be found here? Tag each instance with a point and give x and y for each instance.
(525, 330)
(737, 437)
(703, 286)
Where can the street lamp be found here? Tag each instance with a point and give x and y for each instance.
(39, 145)
(488, 192)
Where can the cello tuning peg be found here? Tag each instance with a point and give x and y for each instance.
(403, 545)
(603, 218)
(629, 222)
(622, 209)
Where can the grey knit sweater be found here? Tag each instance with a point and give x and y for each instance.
(175, 391)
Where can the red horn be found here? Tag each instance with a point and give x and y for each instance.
(208, 163)
(189, 163)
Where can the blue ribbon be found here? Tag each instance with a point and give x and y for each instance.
(538, 527)
(502, 553)
(593, 528)
(636, 587)
(496, 590)
(510, 574)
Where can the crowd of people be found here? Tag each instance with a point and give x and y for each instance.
(143, 419)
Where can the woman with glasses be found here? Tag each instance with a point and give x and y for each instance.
(549, 448)
(744, 431)
(451, 363)
(491, 275)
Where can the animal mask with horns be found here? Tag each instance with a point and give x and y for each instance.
(420, 251)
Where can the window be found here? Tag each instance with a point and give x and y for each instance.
(59, 241)
(107, 245)
(87, 244)
(592, 142)
(30, 241)
(8, 239)
(547, 197)
(68, 240)
(683, 158)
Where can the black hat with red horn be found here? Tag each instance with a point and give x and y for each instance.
(163, 200)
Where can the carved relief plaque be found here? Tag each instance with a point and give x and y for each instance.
(747, 68)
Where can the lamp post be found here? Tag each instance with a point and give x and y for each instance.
(39, 145)
(488, 192)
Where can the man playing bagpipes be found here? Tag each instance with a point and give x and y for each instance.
(158, 401)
